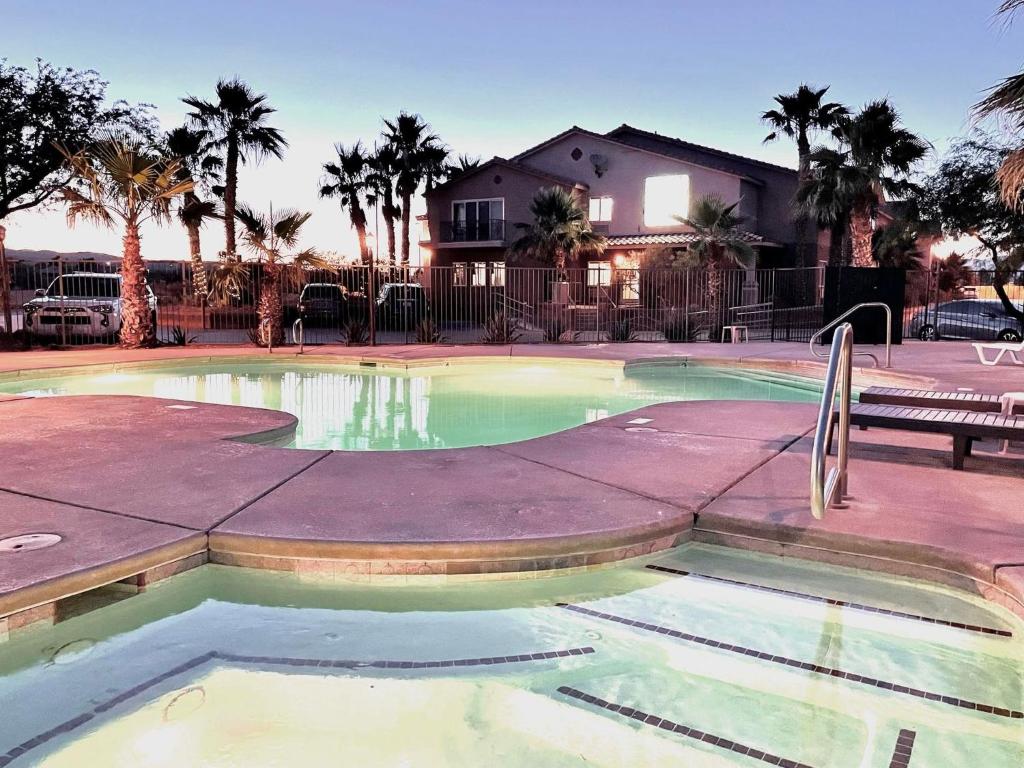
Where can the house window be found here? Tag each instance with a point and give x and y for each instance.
(459, 273)
(600, 209)
(479, 274)
(666, 197)
(478, 220)
(599, 273)
(498, 274)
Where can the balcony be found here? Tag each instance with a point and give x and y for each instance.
(490, 231)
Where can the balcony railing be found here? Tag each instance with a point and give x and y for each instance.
(485, 230)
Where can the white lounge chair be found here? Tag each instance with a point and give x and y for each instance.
(1000, 348)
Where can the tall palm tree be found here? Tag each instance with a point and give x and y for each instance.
(418, 155)
(237, 125)
(120, 180)
(826, 197)
(799, 116)
(348, 180)
(1006, 99)
(203, 168)
(383, 172)
(462, 164)
(895, 245)
(719, 244)
(560, 231)
(267, 236)
(881, 154)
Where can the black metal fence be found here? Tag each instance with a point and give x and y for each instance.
(943, 303)
(65, 302)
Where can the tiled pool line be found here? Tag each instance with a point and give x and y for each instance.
(284, 661)
(691, 733)
(803, 665)
(904, 749)
(833, 601)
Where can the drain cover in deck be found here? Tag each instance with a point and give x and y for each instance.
(28, 541)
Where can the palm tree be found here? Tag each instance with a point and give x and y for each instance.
(348, 180)
(119, 179)
(718, 244)
(880, 154)
(267, 235)
(203, 168)
(560, 231)
(237, 125)
(383, 171)
(826, 197)
(418, 155)
(895, 245)
(462, 164)
(800, 115)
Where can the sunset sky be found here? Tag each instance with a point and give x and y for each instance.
(495, 78)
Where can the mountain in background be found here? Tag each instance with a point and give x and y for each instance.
(15, 254)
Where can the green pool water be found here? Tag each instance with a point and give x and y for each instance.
(444, 406)
(224, 667)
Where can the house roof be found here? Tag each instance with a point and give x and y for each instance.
(501, 162)
(671, 238)
(624, 132)
(671, 148)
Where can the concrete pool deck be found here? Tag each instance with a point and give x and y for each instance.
(140, 488)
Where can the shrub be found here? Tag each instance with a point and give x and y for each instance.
(181, 338)
(555, 331)
(499, 329)
(621, 331)
(427, 332)
(355, 332)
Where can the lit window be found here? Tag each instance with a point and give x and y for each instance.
(666, 197)
(479, 273)
(600, 209)
(599, 273)
(459, 273)
(498, 273)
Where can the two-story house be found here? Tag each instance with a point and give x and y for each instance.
(633, 184)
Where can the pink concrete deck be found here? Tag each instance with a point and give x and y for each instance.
(574, 499)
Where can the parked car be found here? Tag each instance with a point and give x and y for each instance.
(88, 304)
(975, 319)
(323, 304)
(401, 306)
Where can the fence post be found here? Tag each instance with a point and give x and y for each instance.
(371, 299)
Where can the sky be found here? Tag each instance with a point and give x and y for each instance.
(494, 78)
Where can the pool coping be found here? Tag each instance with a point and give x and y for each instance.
(526, 558)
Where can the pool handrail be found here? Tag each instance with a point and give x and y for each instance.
(830, 489)
(299, 333)
(863, 305)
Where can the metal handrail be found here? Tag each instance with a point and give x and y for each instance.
(299, 338)
(830, 489)
(863, 305)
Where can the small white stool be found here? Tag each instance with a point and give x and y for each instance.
(737, 333)
(1009, 400)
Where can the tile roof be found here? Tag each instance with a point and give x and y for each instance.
(516, 166)
(671, 238)
(622, 133)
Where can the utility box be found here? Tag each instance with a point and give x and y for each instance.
(846, 287)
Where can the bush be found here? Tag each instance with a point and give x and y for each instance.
(19, 340)
(355, 332)
(556, 330)
(621, 331)
(499, 329)
(427, 332)
(181, 338)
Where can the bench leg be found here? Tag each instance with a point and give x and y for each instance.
(961, 449)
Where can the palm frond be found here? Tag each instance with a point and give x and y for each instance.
(1010, 178)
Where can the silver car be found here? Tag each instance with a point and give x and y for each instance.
(975, 319)
(86, 304)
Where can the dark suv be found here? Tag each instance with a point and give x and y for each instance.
(401, 306)
(975, 319)
(323, 304)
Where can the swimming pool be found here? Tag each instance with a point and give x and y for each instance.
(697, 657)
(464, 403)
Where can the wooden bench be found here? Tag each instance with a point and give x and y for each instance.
(963, 426)
(927, 398)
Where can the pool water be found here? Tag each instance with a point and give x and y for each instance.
(626, 666)
(349, 407)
